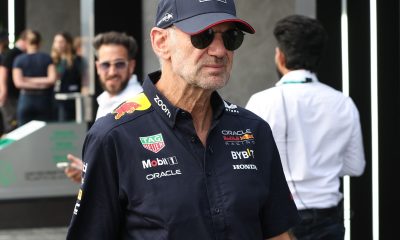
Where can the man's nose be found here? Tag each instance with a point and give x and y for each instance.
(217, 47)
(112, 69)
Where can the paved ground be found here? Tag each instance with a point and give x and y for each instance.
(34, 234)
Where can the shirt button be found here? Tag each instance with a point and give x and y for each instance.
(208, 174)
(210, 149)
(194, 139)
(217, 211)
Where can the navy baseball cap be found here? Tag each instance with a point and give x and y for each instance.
(196, 16)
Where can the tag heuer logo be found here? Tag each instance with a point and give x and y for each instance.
(153, 143)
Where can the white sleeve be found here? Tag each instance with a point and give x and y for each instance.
(269, 106)
(254, 105)
(354, 159)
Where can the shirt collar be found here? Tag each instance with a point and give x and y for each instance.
(105, 96)
(297, 76)
(168, 111)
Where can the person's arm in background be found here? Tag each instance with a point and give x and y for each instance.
(51, 75)
(354, 158)
(3, 85)
(23, 82)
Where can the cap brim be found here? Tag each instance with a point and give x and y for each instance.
(200, 23)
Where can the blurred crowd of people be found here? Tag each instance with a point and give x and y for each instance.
(30, 79)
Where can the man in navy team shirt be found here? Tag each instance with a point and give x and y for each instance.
(177, 161)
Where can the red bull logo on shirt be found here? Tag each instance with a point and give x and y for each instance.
(238, 137)
(126, 107)
(153, 143)
(139, 102)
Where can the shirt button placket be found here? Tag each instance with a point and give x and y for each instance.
(217, 211)
(210, 152)
(215, 203)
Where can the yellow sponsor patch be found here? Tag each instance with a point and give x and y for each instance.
(80, 194)
(139, 102)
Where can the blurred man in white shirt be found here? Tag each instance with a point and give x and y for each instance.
(115, 66)
(316, 128)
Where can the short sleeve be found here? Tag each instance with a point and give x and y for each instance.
(18, 61)
(279, 212)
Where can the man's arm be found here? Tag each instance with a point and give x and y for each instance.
(23, 82)
(3, 85)
(354, 159)
(51, 75)
(97, 213)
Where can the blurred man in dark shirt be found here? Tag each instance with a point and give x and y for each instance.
(8, 92)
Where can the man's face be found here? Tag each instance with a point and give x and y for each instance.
(207, 68)
(114, 68)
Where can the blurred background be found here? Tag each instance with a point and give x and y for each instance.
(36, 201)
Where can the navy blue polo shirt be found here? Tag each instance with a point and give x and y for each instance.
(148, 176)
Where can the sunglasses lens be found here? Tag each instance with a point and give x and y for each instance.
(105, 66)
(202, 40)
(233, 39)
(120, 65)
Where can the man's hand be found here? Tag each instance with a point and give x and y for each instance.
(3, 85)
(74, 171)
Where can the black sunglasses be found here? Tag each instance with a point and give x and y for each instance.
(232, 39)
(119, 65)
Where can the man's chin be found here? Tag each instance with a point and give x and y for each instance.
(113, 90)
(213, 85)
(114, 87)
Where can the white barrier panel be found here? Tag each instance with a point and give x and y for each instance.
(28, 158)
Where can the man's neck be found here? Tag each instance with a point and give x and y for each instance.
(20, 45)
(192, 99)
(32, 49)
(111, 95)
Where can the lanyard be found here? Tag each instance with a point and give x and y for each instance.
(307, 80)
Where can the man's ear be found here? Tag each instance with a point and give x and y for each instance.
(280, 61)
(132, 66)
(159, 39)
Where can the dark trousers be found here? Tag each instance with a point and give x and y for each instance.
(66, 110)
(9, 111)
(34, 106)
(320, 224)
